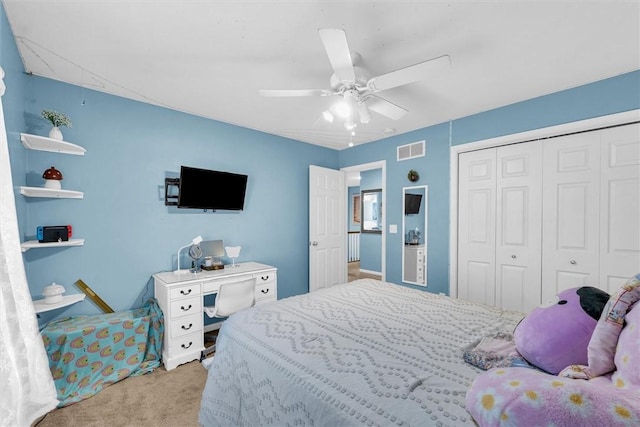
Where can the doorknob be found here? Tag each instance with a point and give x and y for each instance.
(314, 243)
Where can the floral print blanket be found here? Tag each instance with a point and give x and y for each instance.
(529, 397)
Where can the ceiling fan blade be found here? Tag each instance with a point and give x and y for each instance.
(387, 108)
(407, 75)
(337, 47)
(294, 92)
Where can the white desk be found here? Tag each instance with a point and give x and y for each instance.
(180, 297)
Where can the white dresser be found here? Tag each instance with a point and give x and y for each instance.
(414, 257)
(180, 297)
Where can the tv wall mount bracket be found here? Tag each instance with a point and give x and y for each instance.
(171, 191)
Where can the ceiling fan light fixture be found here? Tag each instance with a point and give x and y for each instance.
(343, 109)
(327, 116)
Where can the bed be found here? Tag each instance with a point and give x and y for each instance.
(362, 353)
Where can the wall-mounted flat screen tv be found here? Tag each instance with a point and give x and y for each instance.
(209, 189)
(412, 203)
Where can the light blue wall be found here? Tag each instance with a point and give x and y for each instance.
(131, 146)
(13, 102)
(371, 243)
(609, 96)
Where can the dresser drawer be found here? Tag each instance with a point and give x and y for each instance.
(184, 291)
(186, 306)
(265, 291)
(185, 325)
(264, 278)
(186, 343)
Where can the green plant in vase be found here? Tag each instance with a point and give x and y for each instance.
(56, 119)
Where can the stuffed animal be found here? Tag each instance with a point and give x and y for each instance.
(556, 335)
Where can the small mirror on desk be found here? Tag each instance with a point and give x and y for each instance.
(212, 250)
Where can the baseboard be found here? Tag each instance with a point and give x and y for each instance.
(378, 273)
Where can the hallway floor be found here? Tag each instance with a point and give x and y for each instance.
(355, 273)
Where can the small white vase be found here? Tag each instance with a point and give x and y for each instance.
(55, 133)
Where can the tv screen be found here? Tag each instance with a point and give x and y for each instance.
(412, 203)
(208, 189)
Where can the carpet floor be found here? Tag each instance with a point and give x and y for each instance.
(160, 398)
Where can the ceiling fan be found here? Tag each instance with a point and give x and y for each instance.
(354, 84)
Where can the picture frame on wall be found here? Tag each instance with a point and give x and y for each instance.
(355, 209)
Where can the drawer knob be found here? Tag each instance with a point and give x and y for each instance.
(573, 262)
(185, 293)
(187, 346)
(186, 328)
(264, 277)
(186, 309)
(264, 291)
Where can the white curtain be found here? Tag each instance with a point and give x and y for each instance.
(27, 390)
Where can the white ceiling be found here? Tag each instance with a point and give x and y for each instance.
(210, 58)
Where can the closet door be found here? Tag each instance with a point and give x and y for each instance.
(519, 226)
(476, 226)
(620, 207)
(571, 199)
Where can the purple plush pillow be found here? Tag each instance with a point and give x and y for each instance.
(556, 335)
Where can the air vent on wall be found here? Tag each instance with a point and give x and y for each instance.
(411, 151)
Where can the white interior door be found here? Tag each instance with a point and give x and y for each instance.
(620, 207)
(571, 203)
(476, 226)
(327, 228)
(518, 226)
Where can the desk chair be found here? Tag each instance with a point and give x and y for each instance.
(231, 297)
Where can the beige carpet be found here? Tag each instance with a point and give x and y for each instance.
(160, 398)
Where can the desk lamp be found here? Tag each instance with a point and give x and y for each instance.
(195, 241)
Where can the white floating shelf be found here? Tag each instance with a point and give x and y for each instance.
(41, 306)
(35, 244)
(50, 192)
(43, 143)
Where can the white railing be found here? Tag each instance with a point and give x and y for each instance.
(353, 248)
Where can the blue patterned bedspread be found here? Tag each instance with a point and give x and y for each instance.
(87, 353)
(364, 353)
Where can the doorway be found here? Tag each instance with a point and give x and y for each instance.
(354, 268)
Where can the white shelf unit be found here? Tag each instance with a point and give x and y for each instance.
(50, 193)
(43, 143)
(31, 244)
(41, 306)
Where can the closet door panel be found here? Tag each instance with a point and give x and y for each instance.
(518, 219)
(476, 226)
(620, 209)
(571, 198)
